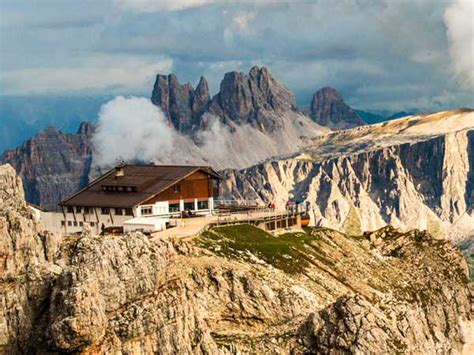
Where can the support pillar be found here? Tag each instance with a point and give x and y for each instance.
(210, 204)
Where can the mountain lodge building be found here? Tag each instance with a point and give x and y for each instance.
(140, 197)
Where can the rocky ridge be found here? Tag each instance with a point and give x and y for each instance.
(415, 172)
(53, 164)
(252, 99)
(227, 291)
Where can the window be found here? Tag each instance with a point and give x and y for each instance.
(70, 209)
(215, 183)
(75, 224)
(128, 212)
(87, 210)
(176, 188)
(119, 211)
(81, 224)
(92, 224)
(188, 206)
(174, 207)
(78, 209)
(104, 210)
(63, 223)
(107, 188)
(146, 210)
(203, 205)
(69, 223)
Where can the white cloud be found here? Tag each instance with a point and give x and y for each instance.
(131, 128)
(460, 31)
(160, 5)
(113, 73)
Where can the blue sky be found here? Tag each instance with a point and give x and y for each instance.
(385, 54)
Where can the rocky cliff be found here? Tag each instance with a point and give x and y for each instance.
(411, 173)
(26, 266)
(230, 290)
(254, 98)
(182, 104)
(329, 109)
(53, 164)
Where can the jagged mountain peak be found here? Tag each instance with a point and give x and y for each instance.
(245, 98)
(329, 91)
(329, 109)
(202, 85)
(66, 156)
(180, 102)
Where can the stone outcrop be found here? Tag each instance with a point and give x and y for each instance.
(352, 323)
(53, 164)
(329, 109)
(27, 254)
(180, 103)
(325, 292)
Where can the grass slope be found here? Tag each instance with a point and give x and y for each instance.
(288, 252)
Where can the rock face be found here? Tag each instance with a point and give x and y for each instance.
(424, 183)
(252, 98)
(329, 109)
(181, 103)
(225, 292)
(26, 266)
(53, 164)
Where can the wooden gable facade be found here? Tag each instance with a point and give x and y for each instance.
(199, 185)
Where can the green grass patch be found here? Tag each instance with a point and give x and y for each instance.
(287, 252)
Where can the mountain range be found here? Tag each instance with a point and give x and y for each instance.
(412, 172)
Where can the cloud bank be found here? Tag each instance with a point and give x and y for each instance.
(459, 18)
(111, 74)
(386, 54)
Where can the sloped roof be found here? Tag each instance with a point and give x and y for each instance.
(149, 181)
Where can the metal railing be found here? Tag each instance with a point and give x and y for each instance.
(255, 217)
